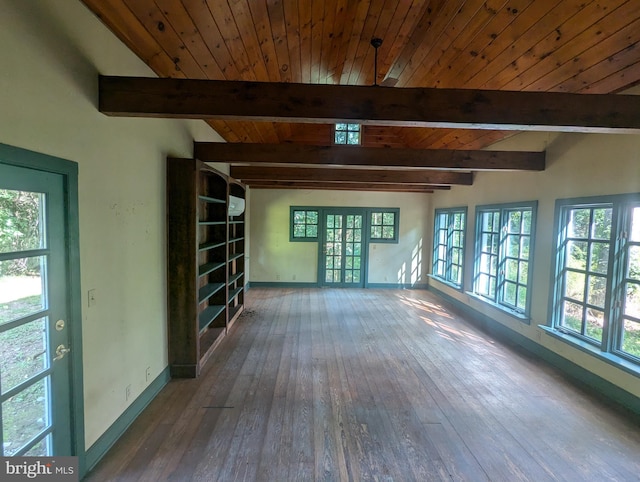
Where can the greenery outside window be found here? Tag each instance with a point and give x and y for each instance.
(384, 225)
(304, 224)
(448, 245)
(596, 292)
(348, 134)
(504, 245)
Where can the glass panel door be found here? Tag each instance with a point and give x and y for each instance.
(342, 249)
(34, 367)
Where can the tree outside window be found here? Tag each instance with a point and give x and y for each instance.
(597, 275)
(383, 225)
(304, 224)
(448, 245)
(504, 246)
(347, 134)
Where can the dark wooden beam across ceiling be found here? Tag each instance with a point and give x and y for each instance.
(416, 107)
(248, 174)
(256, 154)
(345, 186)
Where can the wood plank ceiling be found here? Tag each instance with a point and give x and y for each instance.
(578, 46)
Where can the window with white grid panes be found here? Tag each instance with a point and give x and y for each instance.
(384, 225)
(448, 245)
(347, 134)
(504, 245)
(596, 293)
(304, 224)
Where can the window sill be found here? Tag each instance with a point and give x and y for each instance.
(585, 347)
(445, 282)
(383, 240)
(303, 240)
(503, 309)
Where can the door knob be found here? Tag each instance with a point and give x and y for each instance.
(61, 351)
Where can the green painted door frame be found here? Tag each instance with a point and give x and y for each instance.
(326, 228)
(68, 176)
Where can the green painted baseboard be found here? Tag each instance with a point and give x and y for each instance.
(576, 372)
(293, 284)
(280, 284)
(98, 450)
(397, 286)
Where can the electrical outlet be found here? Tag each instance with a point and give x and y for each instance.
(91, 297)
(147, 375)
(127, 393)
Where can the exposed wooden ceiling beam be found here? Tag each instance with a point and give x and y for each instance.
(345, 186)
(248, 174)
(256, 154)
(421, 107)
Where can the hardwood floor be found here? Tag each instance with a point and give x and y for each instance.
(324, 384)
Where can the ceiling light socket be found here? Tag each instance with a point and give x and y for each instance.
(376, 42)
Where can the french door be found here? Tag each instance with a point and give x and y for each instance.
(35, 381)
(342, 260)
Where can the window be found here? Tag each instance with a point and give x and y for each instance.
(384, 225)
(448, 245)
(304, 224)
(347, 134)
(504, 244)
(596, 296)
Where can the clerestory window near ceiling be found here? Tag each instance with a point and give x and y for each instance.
(347, 134)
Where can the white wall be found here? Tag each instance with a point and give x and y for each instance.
(51, 55)
(577, 165)
(274, 259)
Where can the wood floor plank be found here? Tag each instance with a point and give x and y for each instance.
(389, 385)
(300, 458)
(422, 455)
(276, 436)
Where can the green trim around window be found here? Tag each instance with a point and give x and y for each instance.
(595, 286)
(450, 225)
(503, 258)
(347, 134)
(383, 224)
(304, 223)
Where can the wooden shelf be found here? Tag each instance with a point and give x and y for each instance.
(209, 314)
(208, 291)
(211, 223)
(234, 312)
(209, 341)
(209, 268)
(212, 200)
(235, 277)
(205, 257)
(236, 256)
(212, 245)
(234, 293)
